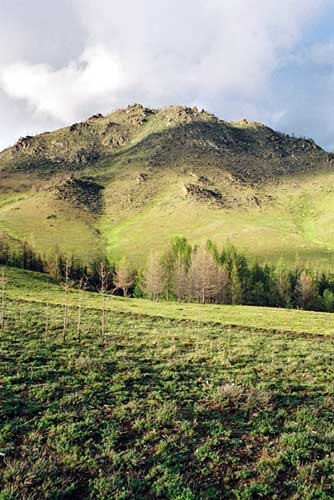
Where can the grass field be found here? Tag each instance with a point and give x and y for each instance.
(30, 286)
(162, 408)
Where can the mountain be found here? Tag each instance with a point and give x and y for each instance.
(128, 181)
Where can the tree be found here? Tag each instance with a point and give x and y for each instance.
(55, 266)
(306, 291)
(181, 247)
(205, 276)
(176, 262)
(104, 283)
(154, 277)
(138, 291)
(66, 287)
(236, 286)
(225, 292)
(3, 281)
(4, 251)
(283, 285)
(168, 262)
(328, 300)
(124, 276)
(82, 288)
(181, 279)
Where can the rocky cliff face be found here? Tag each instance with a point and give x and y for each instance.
(173, 136)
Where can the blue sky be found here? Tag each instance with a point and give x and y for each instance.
(261, 59)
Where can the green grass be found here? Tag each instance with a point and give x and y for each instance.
(289, 216)
(292, 225)
(162, 409)
(42, 222)
(35, 287)
(177, 401)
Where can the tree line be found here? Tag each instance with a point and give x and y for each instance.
(187, 273)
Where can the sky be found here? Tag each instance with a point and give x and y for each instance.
(263, 60)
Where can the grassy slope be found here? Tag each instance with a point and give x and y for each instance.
(293, 224)
(162, 409)
(31, 286)
(291, 221)
(44, 225)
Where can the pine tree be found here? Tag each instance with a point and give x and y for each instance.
(4, 251)
(328, 300)
(236, 286)
(283, 285)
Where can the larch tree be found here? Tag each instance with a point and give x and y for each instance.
(205, 276)
(66, 287)
(104, 281)
(124, 276)
(154, 277)
(3, 282)
(306, 291)
(83, 281)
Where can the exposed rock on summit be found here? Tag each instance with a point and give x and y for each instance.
(202, 194)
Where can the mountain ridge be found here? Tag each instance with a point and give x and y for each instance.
(129, 181)
(197, 132)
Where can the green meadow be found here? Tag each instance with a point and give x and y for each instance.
(174, 402)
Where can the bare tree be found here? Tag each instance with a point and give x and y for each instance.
(46, 330)
(82, 288)
(3, 282)
(205, 276)
(104, 275)
(66, 287)
(306, 291)
(154, 277)
(124, 276)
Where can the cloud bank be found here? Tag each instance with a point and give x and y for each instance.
(255, 58)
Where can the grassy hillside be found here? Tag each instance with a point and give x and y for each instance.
(35, 287)
(163, 408)
(98, 185)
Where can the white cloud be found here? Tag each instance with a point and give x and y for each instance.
(61, 93)
(217, 53)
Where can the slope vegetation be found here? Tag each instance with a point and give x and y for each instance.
(161, 408)
(100, 184)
